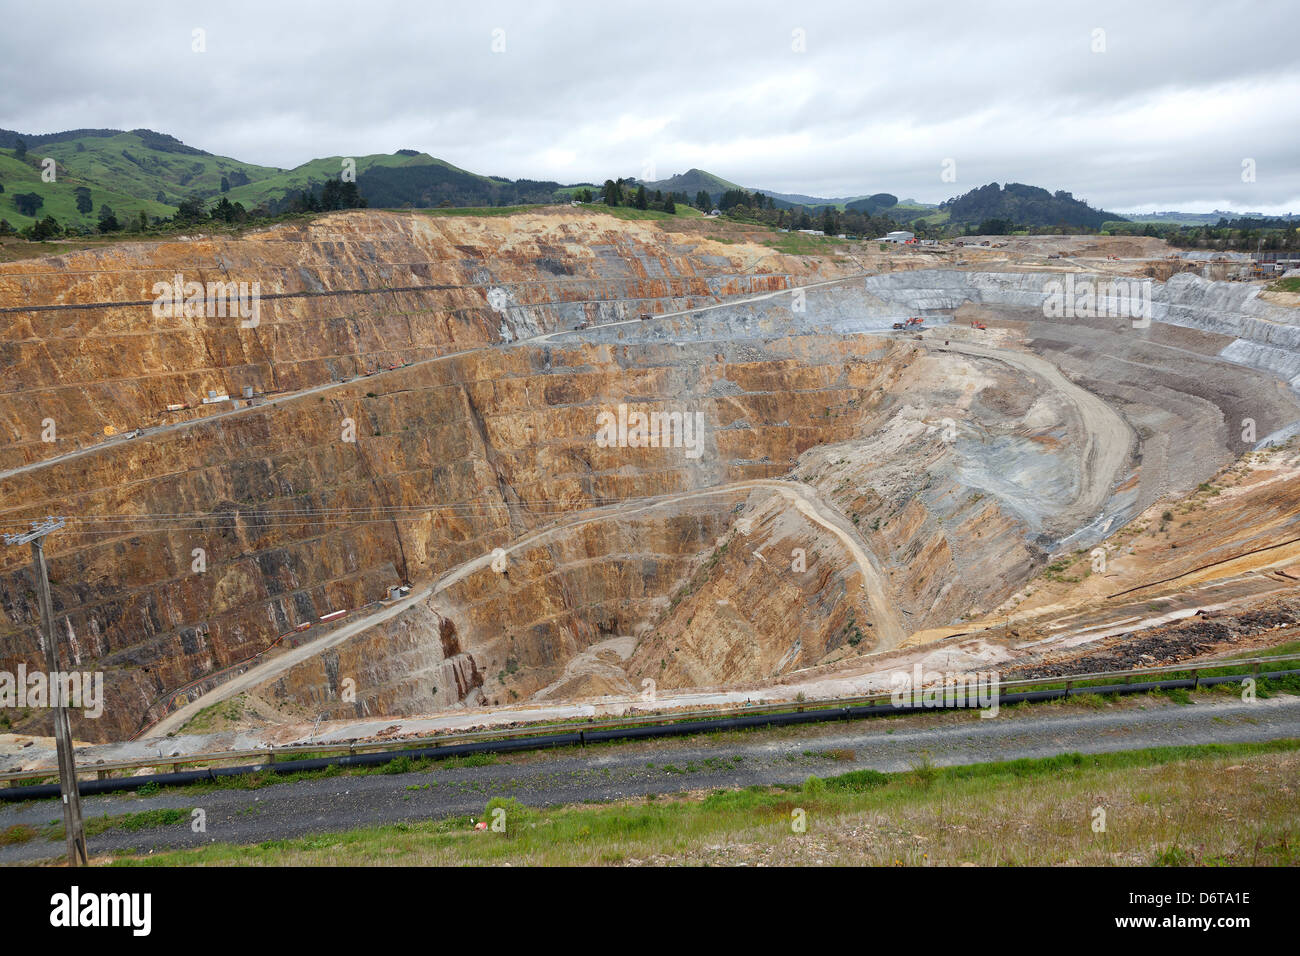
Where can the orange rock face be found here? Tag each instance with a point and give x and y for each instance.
(213, 536)
(193, 548)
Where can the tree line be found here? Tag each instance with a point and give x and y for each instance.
(331, 195)
(1272, 234)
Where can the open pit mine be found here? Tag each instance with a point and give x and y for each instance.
(452, 471)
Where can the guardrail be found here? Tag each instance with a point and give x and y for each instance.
(540, 735)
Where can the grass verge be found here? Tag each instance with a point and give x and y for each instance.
(1209, 805)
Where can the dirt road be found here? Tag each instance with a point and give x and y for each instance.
(155, 430)
(889, 626)
(1107, 438)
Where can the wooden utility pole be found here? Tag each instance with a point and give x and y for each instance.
(72, 825)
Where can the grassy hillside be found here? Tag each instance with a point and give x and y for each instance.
(629, 212)
(145, 165)
(60, 198)
(151, 172)
(619, 212)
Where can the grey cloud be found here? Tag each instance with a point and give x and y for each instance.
(881, 96)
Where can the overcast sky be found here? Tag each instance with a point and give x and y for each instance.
(1159, 110)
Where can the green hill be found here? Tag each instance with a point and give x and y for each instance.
(1021, 205)
(691, 182)
(281, 183)
(20, 178)
(147, 165)
(129, 171)
(143, 171)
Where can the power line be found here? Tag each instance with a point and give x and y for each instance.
(121, 524)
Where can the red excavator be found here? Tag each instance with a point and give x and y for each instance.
(977, 324)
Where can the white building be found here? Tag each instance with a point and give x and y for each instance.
(899, 237)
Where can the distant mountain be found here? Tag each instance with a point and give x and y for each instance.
(1022, 205)
(691, 182)
(143, 171)
(873, 205)
(798, 199)
(1200, 218)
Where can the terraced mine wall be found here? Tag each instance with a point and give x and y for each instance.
(450, 460)
(712, 604)
(84, 346)
(83, 349)
(1264, 336)
(934, 481)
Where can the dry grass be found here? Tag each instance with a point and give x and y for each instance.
(1239, 812)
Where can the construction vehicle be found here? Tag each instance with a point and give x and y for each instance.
(916, 320)
(977, 324)
(899, 325)
(645, 316)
